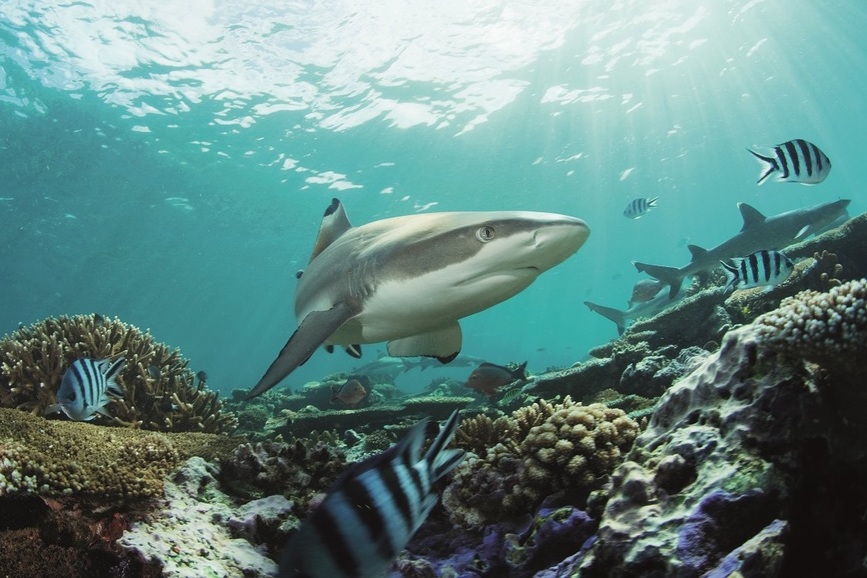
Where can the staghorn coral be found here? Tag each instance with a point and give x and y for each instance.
(546, 448)
(827, 328)
(159, 391)
(65, 458)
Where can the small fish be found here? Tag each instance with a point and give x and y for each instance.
(98, 319)
(487, 377)
(637, 208)
(757, 269)
(373, 510)
(86, 383)
(350, 393)
(154, 371)
(645, 290)
(797, 161)
(202, 376)
(166, 404)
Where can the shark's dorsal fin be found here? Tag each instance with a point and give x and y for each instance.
(696, 251)
(334, 224)
(751, 215)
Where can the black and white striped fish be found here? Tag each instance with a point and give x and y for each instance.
(373, 510)
(637, 208)
(796, 161)
(86, 383)
(760, 268)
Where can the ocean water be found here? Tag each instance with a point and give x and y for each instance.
(169, 163)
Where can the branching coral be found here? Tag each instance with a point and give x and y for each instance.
(542, 449)
(159, 390)
(63, 458)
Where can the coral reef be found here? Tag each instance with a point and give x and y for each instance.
(744, 463)
(370, 418)
(159, 390)
(63, 458)
(297, 470)
(550, 448)
(192, 534)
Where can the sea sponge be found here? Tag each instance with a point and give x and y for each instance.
(66, 458)
(159, 390)
(545, 448)
(826, 328)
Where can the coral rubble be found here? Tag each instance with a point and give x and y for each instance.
(159, 390)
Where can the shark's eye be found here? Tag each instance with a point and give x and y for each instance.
(485, 234)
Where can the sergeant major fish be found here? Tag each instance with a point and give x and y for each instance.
(86, 383)
(796, 161)
(637, 208)
(373, 510)
(757, 269)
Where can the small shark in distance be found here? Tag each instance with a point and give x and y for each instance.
(408, 280)
(758, 232)
(649, 308)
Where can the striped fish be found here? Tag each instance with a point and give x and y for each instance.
(637, 208)
(760, 268)
(86, 383)
(373, 510)
(796, 161)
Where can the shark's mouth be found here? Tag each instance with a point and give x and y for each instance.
(503, 275)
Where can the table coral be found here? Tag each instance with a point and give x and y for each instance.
(549, 448)
(62, 458)
(159, 390)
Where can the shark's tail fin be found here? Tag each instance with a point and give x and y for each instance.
(769, 166)
(615, 315)
(669, 275)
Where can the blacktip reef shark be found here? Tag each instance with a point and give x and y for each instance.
(408, 280)
(758, 232)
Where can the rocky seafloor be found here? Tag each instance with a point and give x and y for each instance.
(725, 437)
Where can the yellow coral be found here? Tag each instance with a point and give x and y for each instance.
(554, 446)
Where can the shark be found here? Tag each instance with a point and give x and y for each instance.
(662, 300)
(758, 232)
(408, 280)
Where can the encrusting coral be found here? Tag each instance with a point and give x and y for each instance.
(65, 458)
(544, 449)
(159, 390)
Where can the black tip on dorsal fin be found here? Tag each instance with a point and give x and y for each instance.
(751, 216)
(334, 224)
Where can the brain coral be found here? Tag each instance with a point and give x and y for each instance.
(828, 328)
(65, 458)
(159, 391)
(547, 448)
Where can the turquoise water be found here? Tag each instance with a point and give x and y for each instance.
(169, 165)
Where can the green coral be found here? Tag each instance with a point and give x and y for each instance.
(160, 392)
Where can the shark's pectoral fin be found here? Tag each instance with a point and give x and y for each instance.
(313, 331)
(443, 343)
